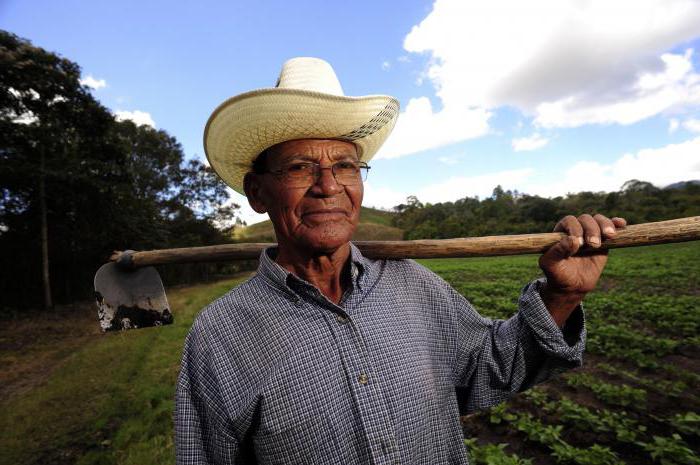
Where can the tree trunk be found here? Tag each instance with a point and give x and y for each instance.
(48, 302)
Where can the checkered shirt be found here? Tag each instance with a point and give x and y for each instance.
(274, 373)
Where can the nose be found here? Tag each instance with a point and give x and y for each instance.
(326, 183)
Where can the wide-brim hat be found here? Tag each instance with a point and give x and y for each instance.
(306, 103)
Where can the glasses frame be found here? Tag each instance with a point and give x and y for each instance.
(282, 172)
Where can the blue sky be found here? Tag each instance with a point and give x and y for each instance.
(543, 96)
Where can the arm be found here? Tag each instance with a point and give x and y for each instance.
(547, 335)
(200, 436)
(497, 358)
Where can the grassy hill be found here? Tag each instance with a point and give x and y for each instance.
(375, 225)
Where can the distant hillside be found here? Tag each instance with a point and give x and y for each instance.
(375, 225)
(512, 212)
(683, 184)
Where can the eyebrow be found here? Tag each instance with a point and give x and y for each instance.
(307, 157)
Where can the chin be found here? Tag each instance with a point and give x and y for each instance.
(327, 238)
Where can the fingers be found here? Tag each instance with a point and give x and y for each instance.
(590, 230)
(606, 225)
(563, 249)
(572, 227)
(583, 230)
(619, 222)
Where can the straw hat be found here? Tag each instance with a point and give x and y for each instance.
(306, 103)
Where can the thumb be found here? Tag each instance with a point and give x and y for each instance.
(562, 250)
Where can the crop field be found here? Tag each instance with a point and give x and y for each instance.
(636, 400)
(71, 395)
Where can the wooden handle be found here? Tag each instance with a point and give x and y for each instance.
(662, 232)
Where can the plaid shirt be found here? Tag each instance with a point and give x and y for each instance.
(273, 372)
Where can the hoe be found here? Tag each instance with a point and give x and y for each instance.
(130, 293)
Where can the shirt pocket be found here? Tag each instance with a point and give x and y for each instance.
(311, 441)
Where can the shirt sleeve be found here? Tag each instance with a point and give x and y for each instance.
(496, 358)
(200, 434)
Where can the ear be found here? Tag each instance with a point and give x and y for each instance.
(254, 191)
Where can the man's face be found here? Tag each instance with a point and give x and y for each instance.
(317, 218)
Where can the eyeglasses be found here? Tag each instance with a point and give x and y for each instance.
(305, 174)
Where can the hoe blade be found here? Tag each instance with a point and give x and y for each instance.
(129, 299)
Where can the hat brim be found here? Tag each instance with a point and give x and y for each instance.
(247, 124)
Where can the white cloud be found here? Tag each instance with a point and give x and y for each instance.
(652, 93)
(458, 187)
(386, 66)
(93, 83)
(137, 116)
(420, 127)
(673, 125)
(692, 125)
(382, 197)
(660, 166)
(532, 142)
(565, 62)
(448, 190)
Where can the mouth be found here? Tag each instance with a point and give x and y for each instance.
(325, 214)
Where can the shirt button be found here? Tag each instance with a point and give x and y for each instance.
(341, 318)
(363, 378)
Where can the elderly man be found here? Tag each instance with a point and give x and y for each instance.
(327, 357)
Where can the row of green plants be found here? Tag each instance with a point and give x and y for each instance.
(669, 450)
(550, 436)
(614, 394)
(674, 316)
(622, 342)
(673, 388)
(666, 450)
(492, 454)
(624, 428)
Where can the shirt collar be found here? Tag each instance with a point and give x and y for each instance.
(278, 276)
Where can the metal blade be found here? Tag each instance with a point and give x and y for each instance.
(129, 299)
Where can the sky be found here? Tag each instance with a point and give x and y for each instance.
(545, 97)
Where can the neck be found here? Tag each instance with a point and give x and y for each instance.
(326, 271)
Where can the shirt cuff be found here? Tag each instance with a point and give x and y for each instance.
(567, 343)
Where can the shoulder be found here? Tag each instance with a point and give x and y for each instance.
(413, 273)
(415, 280)
(235, 308)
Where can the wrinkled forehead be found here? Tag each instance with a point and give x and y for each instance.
(312, 149)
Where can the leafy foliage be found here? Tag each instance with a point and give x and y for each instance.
(599, 420)
(492, 454)
(671, 451)
(511, 212)
(108, 185)
(551, 436)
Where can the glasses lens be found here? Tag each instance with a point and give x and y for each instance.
(299, 174)
(306, 174)
(347, 173)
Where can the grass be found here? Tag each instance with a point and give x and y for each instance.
(109, 401)
(78, 397)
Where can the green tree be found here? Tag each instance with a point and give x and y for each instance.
(75, 184)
